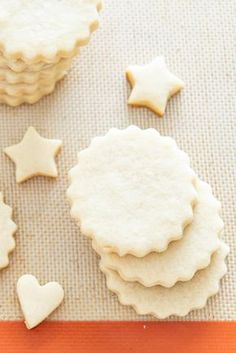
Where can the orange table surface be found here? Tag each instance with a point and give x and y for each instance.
(117, 337)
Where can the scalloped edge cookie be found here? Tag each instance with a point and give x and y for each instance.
(116, 196)
(7, 230)
(29, 99)
(179, 300)
(13, 49)
(45, 76)
(184, 257)
(20, 90)
(19, 66)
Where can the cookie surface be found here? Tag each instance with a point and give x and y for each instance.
(132, 191)
(31, 89)
(183, 258)
(34, 156)
(7, 230)
(152, 85)
(43, 30)
(38, 302)
(178, 300)
(20, 66)
(32, 98)
(45, 76)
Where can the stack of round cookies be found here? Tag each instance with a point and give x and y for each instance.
(38, 40)
(153, 222)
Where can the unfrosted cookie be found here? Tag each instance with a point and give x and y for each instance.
(14, 101)
(182, 258)
(152, 85)
(45, 75)
(7, 230)
(45, 30)
(19, 66)
(132, 191)
(31, 89)
(34, 156)
(178, 300)
(38, 302)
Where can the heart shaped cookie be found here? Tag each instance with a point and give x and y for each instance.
(38, 302)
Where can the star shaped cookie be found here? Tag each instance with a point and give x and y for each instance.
(153, 84)
(34, 156)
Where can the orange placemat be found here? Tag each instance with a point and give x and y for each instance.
(119, 337)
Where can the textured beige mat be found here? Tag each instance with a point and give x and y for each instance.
(197, 39)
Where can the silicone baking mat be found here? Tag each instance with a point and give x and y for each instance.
(196, 37)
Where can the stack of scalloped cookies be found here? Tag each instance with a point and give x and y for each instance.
(154, 223)
(38, 40)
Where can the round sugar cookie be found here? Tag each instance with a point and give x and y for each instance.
(177, 300)
(7, 230)
(19, 66)
(24, 89)
(15, 101)
(183, 258)
(46, 75)
(45, 30)
(132, 191)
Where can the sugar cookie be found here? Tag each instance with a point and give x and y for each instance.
(38, 302)
(7, 230)
(45, 76)
(14, 101)
(19, 66)
(45, 30)
(182, 258)
(30, 89)
(132, 191)
(178, 300)
(152, 85)
(34, 155)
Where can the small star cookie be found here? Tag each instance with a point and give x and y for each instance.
(34, 156)
(153, 84)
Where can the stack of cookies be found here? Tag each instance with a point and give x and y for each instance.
(38, 40)
(154, 223)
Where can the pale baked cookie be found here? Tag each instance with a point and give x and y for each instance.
(38, 302)
(14, 101)
(153, 84)
(38, 40)
(45, 30)
(7, 230)
(132, 191)
(178, 300)
(30, 89)
(184, 257)
(34, 156)
(45, 76)
(20, 66)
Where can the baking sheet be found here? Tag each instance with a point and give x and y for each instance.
(196, 37)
